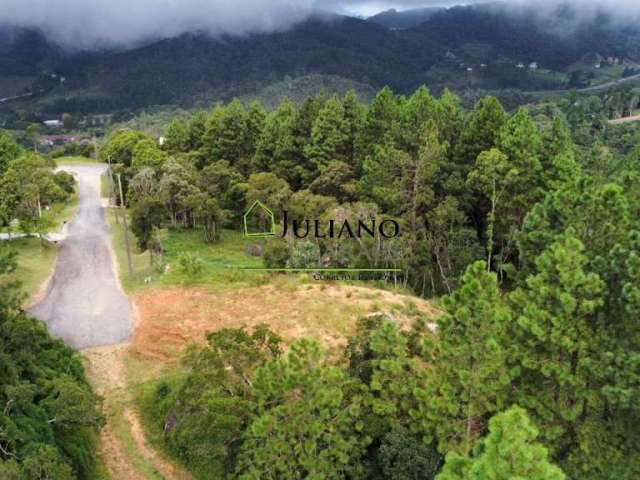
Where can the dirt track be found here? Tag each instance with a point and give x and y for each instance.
(84, 304)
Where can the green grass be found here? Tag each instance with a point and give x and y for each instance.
(36, 259)
(105, 185)
(219, 260)
(140, 260)
(61, 212)
(75, 161)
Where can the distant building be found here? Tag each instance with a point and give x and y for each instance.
(533, 66)
(520, 65)
(597, 65)
(450, 54)
(469, 69)
(53, 123)
(161, 141)
(483, 65)
(100, 120)
(53, 140)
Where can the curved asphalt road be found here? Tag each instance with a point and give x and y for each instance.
(84, 304)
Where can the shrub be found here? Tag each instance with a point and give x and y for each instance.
(190, 264)
(275, 254)
(304, 255)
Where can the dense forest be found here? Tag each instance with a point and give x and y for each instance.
(525, 220)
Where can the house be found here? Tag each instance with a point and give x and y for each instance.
(53, 140)
(100, 119)
(597, 65)
(520, 66)
(469, 69)
(53, 123)
(533, 66)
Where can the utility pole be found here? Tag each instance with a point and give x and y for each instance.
(126, 228)
(112, 188)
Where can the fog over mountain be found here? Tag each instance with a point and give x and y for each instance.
(79, 24)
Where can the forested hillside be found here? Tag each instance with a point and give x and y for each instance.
(462, 48)
(531, 237)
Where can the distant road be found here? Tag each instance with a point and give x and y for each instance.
(594, 88)
(618, 121)
(85, 305)
(6, 99)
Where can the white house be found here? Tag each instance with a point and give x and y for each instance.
(53, 123)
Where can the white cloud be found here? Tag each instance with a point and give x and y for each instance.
(87, 23)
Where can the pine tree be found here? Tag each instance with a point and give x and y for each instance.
(493, 176)
(329, 136)
(419, 109)
(554, 339)
(509, 452)
(470, 379)
(420, 175)
(382, 176)
(308, 420)
(481, 130)
(383, 120)
(275, 151)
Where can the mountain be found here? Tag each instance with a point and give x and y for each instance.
(463, 48)
(395, 20)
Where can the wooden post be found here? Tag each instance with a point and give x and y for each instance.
(126, 228)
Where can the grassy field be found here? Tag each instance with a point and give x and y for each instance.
(75, 161)
(218, 261)
(36, 259)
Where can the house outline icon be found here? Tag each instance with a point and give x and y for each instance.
(270, 216)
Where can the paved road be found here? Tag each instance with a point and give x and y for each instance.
(594, 88)
(84, 304)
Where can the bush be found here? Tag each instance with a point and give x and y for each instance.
(304, 255)
(276, 254)
(65, 181)
(190, 264)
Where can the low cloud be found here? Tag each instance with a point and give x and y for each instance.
(81, 24)
(88, 24)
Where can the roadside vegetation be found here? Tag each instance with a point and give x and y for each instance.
(50, 417)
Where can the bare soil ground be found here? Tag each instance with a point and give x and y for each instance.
(123, 448)
(619, 121)
(168, 320)
(171, 319)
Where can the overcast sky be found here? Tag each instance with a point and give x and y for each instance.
(87, 23)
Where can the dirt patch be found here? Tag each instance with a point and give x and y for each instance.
(170, 319)
(105, 369)
(619, 121)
